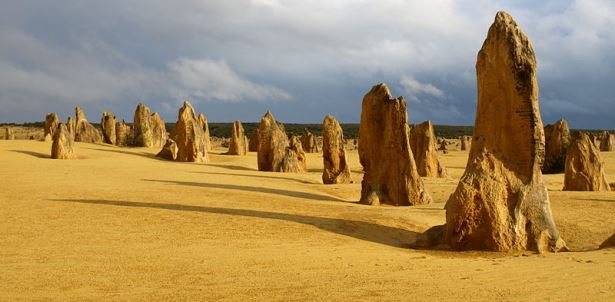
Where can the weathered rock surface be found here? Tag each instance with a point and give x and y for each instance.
(205, 125)
(123, 134)
(390, 173)
(465, 142)
(70, 125)
(294, 159)
(169, 150)
(336, 170)
(253, 144)
(107, 125)
(159, 130)
(8, 133)
(609, 243)
(308, 142)
(189, 136)
(584, 167)
(606, 142)
(51, 124)
(62, 146)
(501, 202)
(423, 145)
(237, 145)
(557, 141)
(148, 128)
(272, 143)
(84, 131)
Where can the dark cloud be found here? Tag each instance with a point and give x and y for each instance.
(301, 59)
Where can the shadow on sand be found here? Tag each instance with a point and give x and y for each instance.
(262, 176)
(250, 189)
(142, 154)
(231, 167)
(367, 231)
(32, 153)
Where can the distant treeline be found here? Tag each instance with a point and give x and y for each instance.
(350, 130)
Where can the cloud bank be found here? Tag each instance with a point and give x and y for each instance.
(301, 59)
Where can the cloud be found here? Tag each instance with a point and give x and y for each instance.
(413, 87)
(239, 58)
(214, 80)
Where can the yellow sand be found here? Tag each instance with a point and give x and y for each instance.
(118, 224)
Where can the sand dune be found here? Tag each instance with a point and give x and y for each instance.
(119, 224)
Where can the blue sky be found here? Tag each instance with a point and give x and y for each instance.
(300, 59)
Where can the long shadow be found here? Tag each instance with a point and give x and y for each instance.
(232, 167)
(32, 153)
(595, 199)
(250, 189)
(142, 154)
(367, 231)
(260, 176)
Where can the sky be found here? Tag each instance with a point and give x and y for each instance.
(300, 59)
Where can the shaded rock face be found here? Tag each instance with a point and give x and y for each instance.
(148, 128)
(123, 134)
(107, 124)
(141, 127)
(253, 144)
(606, 142)
(443, 147)
(557, 141)
(272, 143)
(308, 142)
(70, 125)
(159, 131)
(294, 159)
(205, 126)
(51, 124)
(501, 202)
(584, 167)
(466, 142)
(423, 145)
(609, 243)
(169, 150)
(8, 134)
(390, 173)
(238, 144)
(62, 146)
(336, 170)
(189, 136)
(84, 131)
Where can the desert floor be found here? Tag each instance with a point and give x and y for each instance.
(119, 224)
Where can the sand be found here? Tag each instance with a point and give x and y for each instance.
(119, 224)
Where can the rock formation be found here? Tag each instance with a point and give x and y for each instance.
(272, 143)
(169, 150)
(443, 147)
(584, 167)
(308, 142)
(609, 243)
(237, 145)
(253, 144)
(62, 146)
(501, 202)
(159, 130)
(557, 140)
(466, 142)
(423, 145)
(189, 136)
(390, 174)
(123, 134)
(336, 170)
(84, 131)
(606, 142)
(8, 133)
(148, 128)
(107, 124)
(205, 126)
(51, 124)
(70, 126)
(294, 159)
